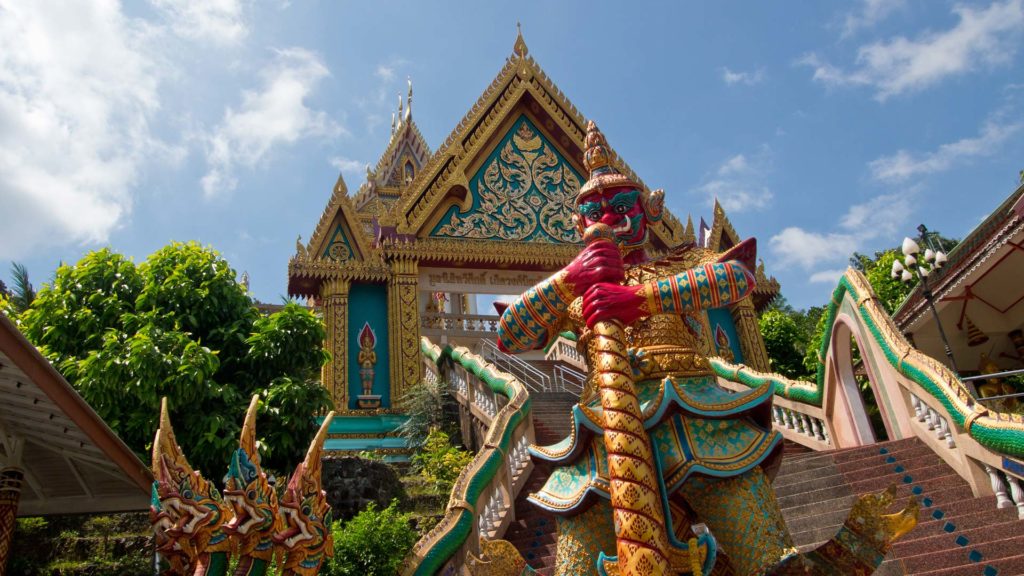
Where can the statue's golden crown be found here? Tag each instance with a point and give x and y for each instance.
(597, 161)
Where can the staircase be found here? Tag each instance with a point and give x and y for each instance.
(533, 531)
(957, 534)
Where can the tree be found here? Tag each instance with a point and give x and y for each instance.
(890, 291)
(179, 325)
(23, 292)
(789, 341)
(784, 343)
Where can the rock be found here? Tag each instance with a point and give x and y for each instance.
(352, 483)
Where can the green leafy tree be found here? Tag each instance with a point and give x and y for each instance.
(430, 407)
(784, 343)
(23, 294)
(179, 325)
(890, 291)
(373, 543)
(811, 361)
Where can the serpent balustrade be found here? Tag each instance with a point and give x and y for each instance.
(495, 413)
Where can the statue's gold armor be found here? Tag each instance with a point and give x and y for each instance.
(675, 347)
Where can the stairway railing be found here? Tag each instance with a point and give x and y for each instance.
(496, 405)
(799, 422)
(534, 379)
(922, 397)
(564, 350)
(474, 325)
(568, 380)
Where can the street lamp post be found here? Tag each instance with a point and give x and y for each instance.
(911, 268)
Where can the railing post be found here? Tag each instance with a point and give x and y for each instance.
(996, 478)
(1017, 494)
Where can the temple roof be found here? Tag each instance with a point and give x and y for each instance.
(978, 296)
(393, 215)
(72, 461)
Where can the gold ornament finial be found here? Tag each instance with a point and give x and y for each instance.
(596, 155)
(408, 100)
(520, 46)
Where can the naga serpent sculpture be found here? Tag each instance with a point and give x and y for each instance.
(657, 445)
(196, 529)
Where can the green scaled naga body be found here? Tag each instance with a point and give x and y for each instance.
(197, 529)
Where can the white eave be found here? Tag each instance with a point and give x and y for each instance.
(72, 461)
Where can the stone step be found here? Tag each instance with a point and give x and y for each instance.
(858, 457)
(951, 555)
(1010, 566)
(917, 544)
(810, 484)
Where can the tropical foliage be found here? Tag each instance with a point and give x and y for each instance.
(373, 543)
(439, 462)
(430, 406)
(789, 337)
(179, 325)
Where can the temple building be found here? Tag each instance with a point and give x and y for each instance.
(489, 212)
(978, 297)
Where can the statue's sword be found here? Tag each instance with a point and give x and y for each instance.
(641, 538)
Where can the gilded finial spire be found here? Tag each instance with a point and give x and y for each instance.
(392, 123)
(408, 107)
(520, 46)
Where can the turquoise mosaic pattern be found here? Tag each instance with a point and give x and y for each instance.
(683, 442)
(524, 191)
(338, 248)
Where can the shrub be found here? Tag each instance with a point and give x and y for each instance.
(374, 543)
(439, 462)
(429, 406)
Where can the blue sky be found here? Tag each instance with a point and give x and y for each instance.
(822, 127)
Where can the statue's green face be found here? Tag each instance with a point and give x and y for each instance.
(621, 209)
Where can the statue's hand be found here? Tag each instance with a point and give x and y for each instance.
(606, 301)
(598, 262)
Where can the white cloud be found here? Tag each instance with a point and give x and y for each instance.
(982, 37)
(817, 252)
(880, 216)
(348, 165)
(871, 13)
(275, 115)
(748, 78)
(218, 21)
(904, 165)
(385, 73)
(78, 90)
(738, 183)
(830, 277)
(796, 246)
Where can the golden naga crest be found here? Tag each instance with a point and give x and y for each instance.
(868, 518)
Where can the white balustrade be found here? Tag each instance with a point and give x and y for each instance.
(1016, 494)
(933, 420)
(996, 477)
